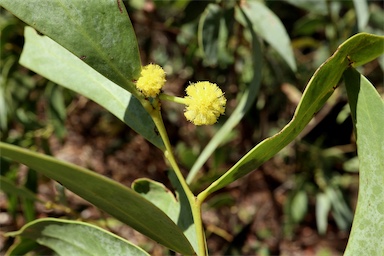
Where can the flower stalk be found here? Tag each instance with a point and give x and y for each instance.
(204, 102)
(193, 201)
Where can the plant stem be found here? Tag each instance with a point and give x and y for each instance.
(196, 213)
(156, 116)
(168, 153)
(175, 99)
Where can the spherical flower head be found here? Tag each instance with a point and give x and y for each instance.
(151, 81)
(205, 102)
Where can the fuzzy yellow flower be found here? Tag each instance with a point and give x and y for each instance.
(151, 81)
(205, 102)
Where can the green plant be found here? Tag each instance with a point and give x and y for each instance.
(21, 98)
(87, 58)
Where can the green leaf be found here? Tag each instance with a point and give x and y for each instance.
(243, 106)
(5, 108)
(47, 58)
(9, 187)
(362, 13)
(159, 195)
(340, 210)
(22, 247)
(208, 32)
(214, 27)
(177, 209)
(323, 206)
(57, 111)
(357, 50)
(67, 237)
(299, 206)
(367, 108)
(266, 24)
(318, 6)
(185, 220)
(119, 201)
(99, 34)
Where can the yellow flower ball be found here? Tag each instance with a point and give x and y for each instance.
(151, 81)
(205, 102)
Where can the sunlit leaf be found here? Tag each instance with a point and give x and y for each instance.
(357, 50)
(268, 26)
(100, 34)
(45, 57)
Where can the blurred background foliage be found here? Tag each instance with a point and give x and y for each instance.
(301, 201)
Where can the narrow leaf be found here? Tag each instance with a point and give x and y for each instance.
(340, 209)
(367, 108)
(318, 6)
(45, 57)
(100, 34)
(357, 50)
(266, 24)
(299, 206)
(323, 206)
(22, 246)
(9, 187)
(67, 237)
(112, 197)
(362, 13)
(243, 106)
(208, 32)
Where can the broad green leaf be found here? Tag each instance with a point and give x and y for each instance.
(243, 106)
(208, 32)
(357, 50)
(9, 187)
(47, 58)
(99, 34)
(367, 108)
(178, 209)
(268, 26)
(68, 237)
(119, 201)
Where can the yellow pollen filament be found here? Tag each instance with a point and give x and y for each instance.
(151, 81)
(205, 102)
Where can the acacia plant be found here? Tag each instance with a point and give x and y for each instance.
(92, 50)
